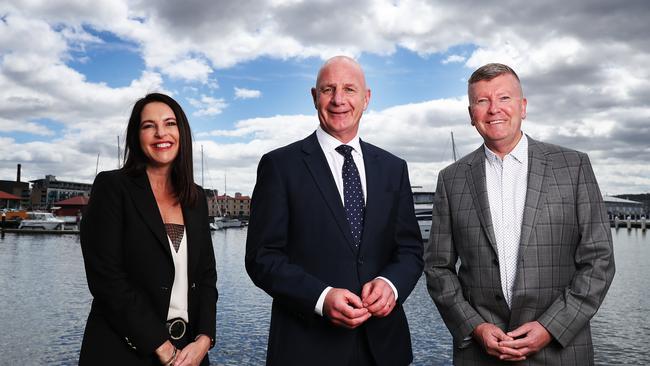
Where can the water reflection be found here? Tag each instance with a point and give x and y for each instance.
(45, 302)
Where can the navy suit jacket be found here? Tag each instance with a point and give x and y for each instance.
(299, 242)
(130, 272)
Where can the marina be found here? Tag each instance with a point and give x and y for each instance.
(46, 301)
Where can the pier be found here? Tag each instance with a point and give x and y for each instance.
(629, 223)
(39, 231)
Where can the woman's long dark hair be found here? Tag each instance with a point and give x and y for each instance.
(135, 161)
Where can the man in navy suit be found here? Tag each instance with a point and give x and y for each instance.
(333, 237)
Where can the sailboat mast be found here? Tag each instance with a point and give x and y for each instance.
(453, 146)
(97, 164)
(202, 183)
(225, 196)
(118, 152)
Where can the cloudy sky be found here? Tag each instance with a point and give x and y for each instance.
(71, 70)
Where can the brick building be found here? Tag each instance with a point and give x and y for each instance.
(17, 188)
(224, 205)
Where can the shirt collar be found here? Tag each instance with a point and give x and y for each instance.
(330, 143)
(520, 152)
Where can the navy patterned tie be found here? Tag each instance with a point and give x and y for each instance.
(352, 193)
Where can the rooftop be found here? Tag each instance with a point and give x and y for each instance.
(73, 201)
(8, 196)
(612, 199)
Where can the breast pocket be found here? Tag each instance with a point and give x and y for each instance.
(560, 204)
(562, 211)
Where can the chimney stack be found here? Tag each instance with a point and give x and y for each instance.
(18, 173)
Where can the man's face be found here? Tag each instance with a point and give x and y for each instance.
(340, 96)
(497, 108)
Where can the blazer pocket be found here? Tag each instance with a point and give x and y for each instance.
(560, 209)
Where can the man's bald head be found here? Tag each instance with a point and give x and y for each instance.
(339, 60)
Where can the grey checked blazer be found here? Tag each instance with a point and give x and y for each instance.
(565, 264)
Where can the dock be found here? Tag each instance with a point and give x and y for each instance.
(74, 231)
(629, 224)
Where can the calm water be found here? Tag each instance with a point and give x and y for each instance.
(44, 303)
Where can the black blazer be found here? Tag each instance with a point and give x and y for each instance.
(299, 242)
(130, 272)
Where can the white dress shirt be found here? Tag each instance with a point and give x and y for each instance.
(335, 161)
(506, 182)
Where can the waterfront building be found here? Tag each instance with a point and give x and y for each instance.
(73, 206)
(224, 205)
(17, 188)
(423, 196)
(9, 201)
(49, 190)
(622, 208)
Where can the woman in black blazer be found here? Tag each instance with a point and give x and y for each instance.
(147, 249)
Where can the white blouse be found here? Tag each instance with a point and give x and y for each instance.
(178, 301)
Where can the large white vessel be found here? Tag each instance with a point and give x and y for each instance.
(225, 222)
(423, 200)
(42, 221)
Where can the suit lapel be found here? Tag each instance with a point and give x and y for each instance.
(320, 171)
(145, 203)
(192, 230)
(538, 173)
(373, 201)
(475, 176)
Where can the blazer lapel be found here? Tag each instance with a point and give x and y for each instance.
(192, 230)
(477, 185)
(320, 171)
(145, 203)
(373, 194)
(538, 173)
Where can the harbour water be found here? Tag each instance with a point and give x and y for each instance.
(44, 302)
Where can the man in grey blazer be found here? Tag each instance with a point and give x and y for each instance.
(527, 221)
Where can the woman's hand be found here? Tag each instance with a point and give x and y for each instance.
(165, 352)
(193, 353)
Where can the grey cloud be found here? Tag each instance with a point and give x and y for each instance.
(206, 21)
(336, 23)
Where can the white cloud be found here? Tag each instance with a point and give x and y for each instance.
(454, 59)
(407, 131)
(208, 106)
(243, 93)
(29, 127)
(189, 70)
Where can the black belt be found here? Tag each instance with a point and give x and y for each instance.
(176, 328)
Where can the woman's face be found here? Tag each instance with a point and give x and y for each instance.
(159, 135)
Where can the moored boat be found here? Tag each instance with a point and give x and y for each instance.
(41, 220)
(224, 222)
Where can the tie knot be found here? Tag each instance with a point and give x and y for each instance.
(345, 150)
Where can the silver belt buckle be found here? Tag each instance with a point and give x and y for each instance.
(176, 326)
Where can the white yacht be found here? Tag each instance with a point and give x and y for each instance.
(423, 200)
(225, 222)
(41, 220)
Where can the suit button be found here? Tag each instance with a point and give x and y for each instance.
(498, 297)
(164, 288)
(360, 260)
(495, 261)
